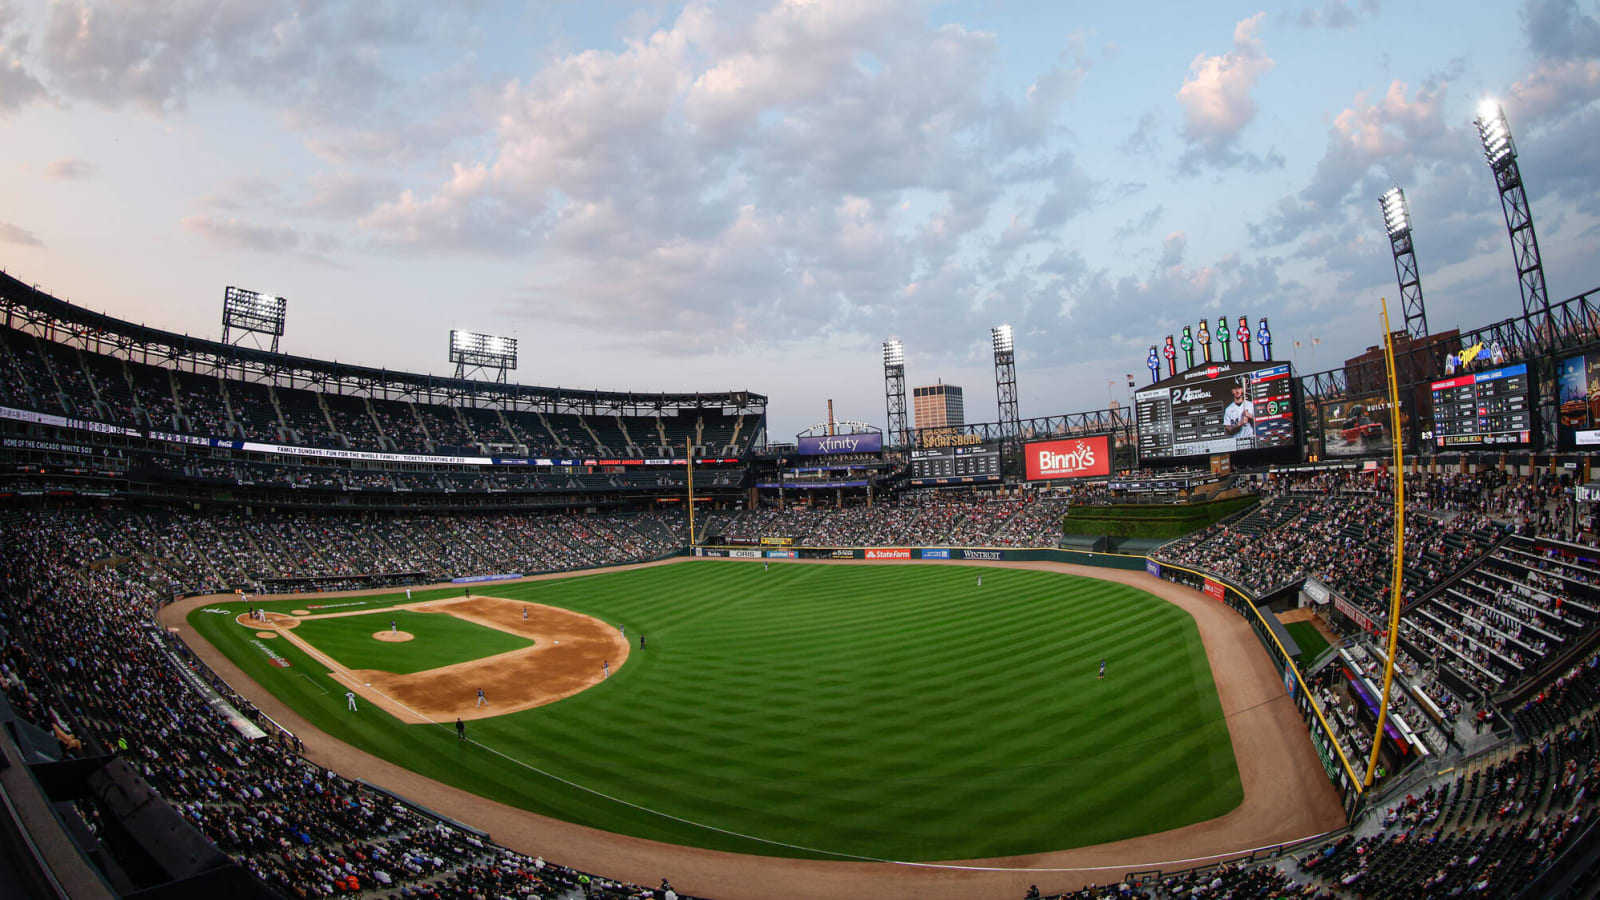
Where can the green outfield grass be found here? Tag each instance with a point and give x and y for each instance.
(1312, 643)
(441, 640)
(886, 712)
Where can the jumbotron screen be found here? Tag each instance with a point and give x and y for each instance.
(1493, 408)
(936, 466)
(1217, 408)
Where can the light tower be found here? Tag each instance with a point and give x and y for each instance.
(894, 389)
(473, 352)
(1397, 221)
(1005, 380)
(247, 312)
(1501, 154)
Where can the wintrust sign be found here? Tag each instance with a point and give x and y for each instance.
(1076, 458)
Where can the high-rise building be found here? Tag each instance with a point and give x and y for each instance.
(937, 406)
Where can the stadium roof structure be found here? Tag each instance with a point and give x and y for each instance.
(25, 306)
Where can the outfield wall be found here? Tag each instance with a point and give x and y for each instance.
(1341, 773)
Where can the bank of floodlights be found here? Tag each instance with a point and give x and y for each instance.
(894, 390)
(1501, 154)
(249, 312)
(472, 351)
(1396, 217)
(1397, 222)
(1005, 380)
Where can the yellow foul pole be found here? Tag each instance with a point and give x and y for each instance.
(688, 460)
(1397, 576)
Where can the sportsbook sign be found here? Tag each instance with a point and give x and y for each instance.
(1074, 458)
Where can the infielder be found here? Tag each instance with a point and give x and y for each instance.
(482, 701)
(606, 668)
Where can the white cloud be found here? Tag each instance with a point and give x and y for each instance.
(18, 85)
(16, 234)
(72, 168)
(1216, 95)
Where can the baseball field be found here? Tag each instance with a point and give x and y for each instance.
(847, 712)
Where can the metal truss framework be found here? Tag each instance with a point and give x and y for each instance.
(28, 309)
(1100, 421)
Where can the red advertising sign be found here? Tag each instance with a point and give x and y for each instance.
(1071, 458)
(1215, 590)
(877, 553)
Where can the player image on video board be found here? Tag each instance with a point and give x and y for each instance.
(1220, 408)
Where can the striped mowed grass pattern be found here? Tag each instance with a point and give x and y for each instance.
(885, 712)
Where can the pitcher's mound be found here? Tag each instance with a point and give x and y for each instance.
(393, 637)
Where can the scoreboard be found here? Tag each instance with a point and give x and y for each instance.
(1217, 408)
(955, 465)
(1484, 409)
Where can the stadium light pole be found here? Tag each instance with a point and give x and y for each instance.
(1501, 154)
(894, 389)
(1005, 380)
(1397, 222)
(248, 312)
(472, 352)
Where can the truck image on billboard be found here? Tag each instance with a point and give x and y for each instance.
(1070, 458)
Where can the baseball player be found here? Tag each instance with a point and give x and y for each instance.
(980, 581)
(408, 594)
(461, 729)
(482, 701)
(392, 628)
(606, 668)
(350, 698)
(524, 614)
(1102, 668)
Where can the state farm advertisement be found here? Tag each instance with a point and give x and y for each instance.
(879, 553)
(1072, 458)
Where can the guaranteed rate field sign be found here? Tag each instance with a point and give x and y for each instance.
(880, 711)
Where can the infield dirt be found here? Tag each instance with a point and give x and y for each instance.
(1286, 795)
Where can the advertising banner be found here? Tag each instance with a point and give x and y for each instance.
(884, 553)
(843, 554)
(745, 554)
(936, 553)
(1074, 458)
(991, 555)
(702, 551)
(1215, 590)
(1153, 567)
(777, 542)
(782, 554)
(1356, 615)
(473, 579)
(865, 442)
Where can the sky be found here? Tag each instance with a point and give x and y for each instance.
(753, 196)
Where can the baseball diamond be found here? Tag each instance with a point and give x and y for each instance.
(840, 715)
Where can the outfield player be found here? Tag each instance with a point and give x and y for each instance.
(350, 698)
(1102, 667)
(980, 581)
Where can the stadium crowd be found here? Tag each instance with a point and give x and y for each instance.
(77, 659)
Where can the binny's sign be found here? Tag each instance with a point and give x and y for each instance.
(1072, 458)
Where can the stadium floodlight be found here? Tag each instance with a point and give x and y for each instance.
(1495, 133)
(894, 352)
(1501, 153)
(1001, 336)
(249, 312)
(894, 390)
(470, 350)
(1005, 381)
(1396, 216)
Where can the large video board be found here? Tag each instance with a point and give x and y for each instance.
(1492, 408)
(1220, 408)
(935, 466)
(1360, 426)
(1578, 390)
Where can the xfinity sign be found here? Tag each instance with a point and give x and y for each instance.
(1073, 458)
(864, 442)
